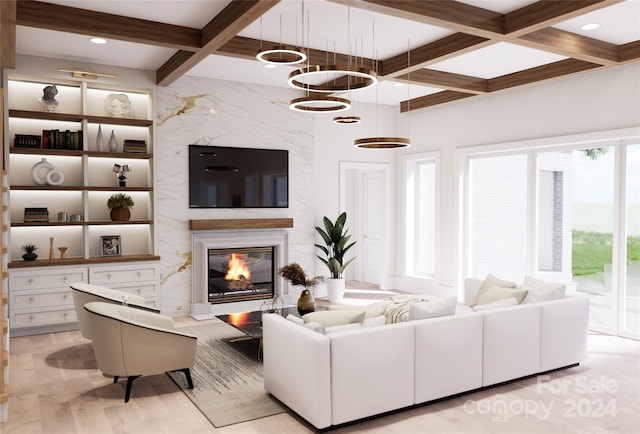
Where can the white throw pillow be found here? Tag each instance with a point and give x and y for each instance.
(371, 310)
(375, 321)
(490, 282)
(434, 307)
(315, 326)
(540, 290)
(295, 319)
(330, 318)
(500, 293)
(511, 301)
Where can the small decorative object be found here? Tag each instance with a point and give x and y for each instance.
(336, 245)
(75, 217)
(110, 245)
(113, 143)
(63, 252)
(120, 170)
(36, 215)
(43, 173)
(29, 252)
(63, 217)
(119, 204)
(100, 140)
(48, 99)
(296, 275)
(119, 105)
(51, 255)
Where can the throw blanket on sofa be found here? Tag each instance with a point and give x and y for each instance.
(398, 308)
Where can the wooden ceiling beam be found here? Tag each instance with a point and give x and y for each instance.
(231, 20)
(629, 52)
(543, 14)
(433, 52)
(80, 21)
(541, 73)
(449, 14)
(446, 80)
(572, 45)
(7, 35)
(434, 99)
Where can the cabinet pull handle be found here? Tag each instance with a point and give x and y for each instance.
(65, 278)
(64, 297)
(30, 317)
(30, 299)
(109, 276)
(66, 314)
(139, 291)
(30, 281)
(139, 274)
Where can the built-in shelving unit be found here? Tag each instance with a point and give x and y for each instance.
(39, 298)
(4, 294)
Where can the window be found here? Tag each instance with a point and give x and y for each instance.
(421, 211)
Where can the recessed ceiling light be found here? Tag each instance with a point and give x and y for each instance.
(99, 41)
(590, 26)
(270, 65)
(398, 84)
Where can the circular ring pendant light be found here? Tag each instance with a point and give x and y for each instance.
(347, 120)
(281, 55)
(320, 104)
(382, 143)
(362, 78)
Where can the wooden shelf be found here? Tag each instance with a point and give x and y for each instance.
(83, 223)
(230, 224)
(76, 153)
(71, 117)
(75, 188)
(81, 261)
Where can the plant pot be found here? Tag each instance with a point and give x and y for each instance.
(29, 256)
(120, 214)
(335, 289)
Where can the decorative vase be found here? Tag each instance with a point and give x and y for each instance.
(306, 302)
(335, 289)
(51, 254)
(100, 140)
(113, 144)
(29, 256)
(120, 214)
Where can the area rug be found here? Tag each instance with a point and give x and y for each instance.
(227, 377)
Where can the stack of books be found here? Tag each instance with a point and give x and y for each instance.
(27, 141)
(57, 139)
(32, 215)
(136, 146)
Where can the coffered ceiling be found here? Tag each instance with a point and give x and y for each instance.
(446, 50)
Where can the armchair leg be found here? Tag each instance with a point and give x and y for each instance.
(129, 384)
(187, 373)
(115, 379)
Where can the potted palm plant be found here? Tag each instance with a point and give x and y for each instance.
(336, 245)
(120, 205)
(29, 252)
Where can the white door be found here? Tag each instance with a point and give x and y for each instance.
(373, 207)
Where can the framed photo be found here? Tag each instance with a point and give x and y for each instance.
(110, 245)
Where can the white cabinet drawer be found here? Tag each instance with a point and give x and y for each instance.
(26, 280)
(24, 318)
(107, 276)
(144, 290)
(42, 298)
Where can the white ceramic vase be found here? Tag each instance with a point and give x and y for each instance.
(113, 144)
(335, 289)
(99, 140)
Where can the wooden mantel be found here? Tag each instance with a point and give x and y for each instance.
(231, 224)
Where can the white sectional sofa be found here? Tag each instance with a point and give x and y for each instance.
(353, 374)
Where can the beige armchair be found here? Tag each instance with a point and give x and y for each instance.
(84, 293)
(130, 342)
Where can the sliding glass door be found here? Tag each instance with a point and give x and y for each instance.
(630, 306)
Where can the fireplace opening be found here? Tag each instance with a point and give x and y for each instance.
(241, 274)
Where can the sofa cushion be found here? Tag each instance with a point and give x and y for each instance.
(489, 283)
(511, 301)
(540, 290)
(370, 311)
(342, 327)
(496, 293)
(434, 307)
(330, 318)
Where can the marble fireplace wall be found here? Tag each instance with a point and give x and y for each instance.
(213, 112)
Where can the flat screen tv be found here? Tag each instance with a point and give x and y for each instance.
(225, 177)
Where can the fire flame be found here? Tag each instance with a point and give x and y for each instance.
(237, 268)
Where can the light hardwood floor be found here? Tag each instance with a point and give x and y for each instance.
(55, 387)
